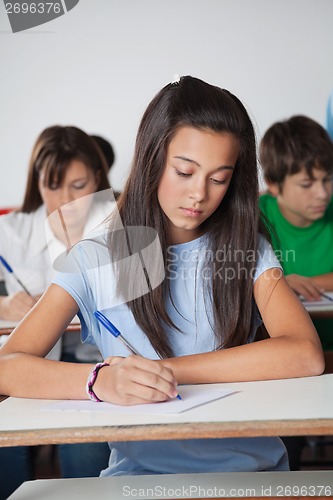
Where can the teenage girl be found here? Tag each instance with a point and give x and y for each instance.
(189, 304)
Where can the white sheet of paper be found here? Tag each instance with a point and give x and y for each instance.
(324, 302)
(191, 397)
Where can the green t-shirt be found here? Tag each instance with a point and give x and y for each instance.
(307, 251)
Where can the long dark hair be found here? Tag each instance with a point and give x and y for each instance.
(53, 151)
(233, 226)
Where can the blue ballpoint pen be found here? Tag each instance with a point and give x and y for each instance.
(116, 333)
(10, 270)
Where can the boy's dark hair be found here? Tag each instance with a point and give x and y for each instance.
(291, 145)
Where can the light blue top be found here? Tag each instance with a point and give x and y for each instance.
(89, 277)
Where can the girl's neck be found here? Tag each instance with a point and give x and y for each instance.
(179, 236)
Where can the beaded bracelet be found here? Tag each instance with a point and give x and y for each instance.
(92, 379)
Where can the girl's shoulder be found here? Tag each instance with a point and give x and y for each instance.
(21, 222)
(88, 254)
(13, 218)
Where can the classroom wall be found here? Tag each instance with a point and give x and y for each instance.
(98, 66)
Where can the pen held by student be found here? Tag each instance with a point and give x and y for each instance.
(110, 327)
(10, 270)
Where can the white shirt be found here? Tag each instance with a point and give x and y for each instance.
(29, 246)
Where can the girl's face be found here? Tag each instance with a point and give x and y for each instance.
(197, 174)
(79, 181)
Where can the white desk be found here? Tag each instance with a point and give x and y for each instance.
(267, 408)
(253, 485)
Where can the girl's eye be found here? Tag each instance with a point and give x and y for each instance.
(216, 181)
(79, 186)
(305, 186)
(182, 174)
(53, 187)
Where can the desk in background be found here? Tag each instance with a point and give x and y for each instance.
(324, 311)
(320, 310)
(6, 327)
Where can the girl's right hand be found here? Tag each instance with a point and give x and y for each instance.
(135, 380)
(14, 307)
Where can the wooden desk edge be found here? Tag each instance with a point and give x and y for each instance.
(321, 314)
(73, 327)
(210, 430)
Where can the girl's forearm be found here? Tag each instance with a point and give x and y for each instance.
(23, 375)
(268, 359)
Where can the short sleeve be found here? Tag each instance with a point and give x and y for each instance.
(71, 276)
(86, 273)
(266, 258)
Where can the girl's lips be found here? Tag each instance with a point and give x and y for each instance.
(191, 212)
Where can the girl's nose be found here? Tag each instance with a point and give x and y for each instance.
(65, 195)
(198, 191)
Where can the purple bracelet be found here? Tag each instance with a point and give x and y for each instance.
(92, 379)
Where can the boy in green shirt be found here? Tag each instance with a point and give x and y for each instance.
(297, 160)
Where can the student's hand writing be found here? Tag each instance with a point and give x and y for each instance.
(134, 380)
(14, 307)
(303, 285)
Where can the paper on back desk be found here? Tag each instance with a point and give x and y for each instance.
(323, 302)
(192, 396)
